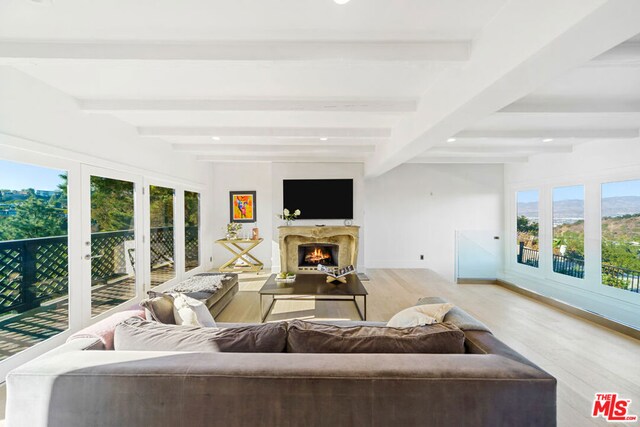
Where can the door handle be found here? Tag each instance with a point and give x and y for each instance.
(89, 257)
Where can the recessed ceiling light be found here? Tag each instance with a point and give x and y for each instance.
(323, 139)
(547, 140)
(341, 1)
(451, 140)
(215, 138)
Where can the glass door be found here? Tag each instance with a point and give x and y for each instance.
(112, 243)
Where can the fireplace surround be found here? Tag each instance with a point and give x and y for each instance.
(339, 244)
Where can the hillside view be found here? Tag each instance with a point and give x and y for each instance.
(620, 238)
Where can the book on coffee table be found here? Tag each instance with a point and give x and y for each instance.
(336, 273)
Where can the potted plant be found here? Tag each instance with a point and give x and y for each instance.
(233, 228)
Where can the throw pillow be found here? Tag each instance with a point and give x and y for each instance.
(419, 315)
(309, 337)
(190, 311)
(137, 334)
(159, 307)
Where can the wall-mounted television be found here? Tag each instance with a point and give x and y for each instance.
(319, 198)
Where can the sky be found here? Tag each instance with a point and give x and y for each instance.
(19, 176)
(576, 192)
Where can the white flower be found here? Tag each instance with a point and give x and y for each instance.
(286, 211)
(297, 212)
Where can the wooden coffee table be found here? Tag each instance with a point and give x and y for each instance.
(314, 285)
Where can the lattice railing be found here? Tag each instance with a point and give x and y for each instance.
(35, 270)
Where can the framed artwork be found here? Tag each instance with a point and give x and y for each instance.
(242, 206)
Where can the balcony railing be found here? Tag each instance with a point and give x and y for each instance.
(617, 277)
(36, 270)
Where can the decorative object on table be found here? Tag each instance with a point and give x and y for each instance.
(285, 277)
(241, 252)
(336, 274)
(288, 216)
(233, 229)
(255, 233)
(242, 206)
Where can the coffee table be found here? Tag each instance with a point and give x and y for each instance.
(314, 285)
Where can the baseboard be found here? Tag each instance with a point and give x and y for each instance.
(477, 281)
(575, 311)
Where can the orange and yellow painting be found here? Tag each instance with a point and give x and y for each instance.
(243, 206)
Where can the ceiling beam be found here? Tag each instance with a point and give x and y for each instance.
(507, 65)
(280, 132)
(400, 105)
(573, 106)
(500, 150)
(550, 133)
(472, 159)
(320, 147)
(624, 53)
(279, 159)
(270, 141)
(292, 50)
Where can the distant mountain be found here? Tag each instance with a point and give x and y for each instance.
(611, 206)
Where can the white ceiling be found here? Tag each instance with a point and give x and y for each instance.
(376, 81)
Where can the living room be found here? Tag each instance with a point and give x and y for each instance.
(203, 190)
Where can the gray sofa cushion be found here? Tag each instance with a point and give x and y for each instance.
(309, 337)
(456, 316)
(137, 334)
(159, 307)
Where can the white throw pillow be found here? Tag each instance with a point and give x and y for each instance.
(190, 311)
(420, 315)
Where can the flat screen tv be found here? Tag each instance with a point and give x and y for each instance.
(319, 198)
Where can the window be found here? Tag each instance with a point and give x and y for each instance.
(113, 243)
(34, 261)
(191, 230)
(527, 218)
(620, 207)
(568, 231)
(161, 236)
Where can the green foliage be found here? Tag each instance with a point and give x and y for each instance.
(34, 218)
(161, 203)
(527, 227)
(616, 282)
(191, 209)
(621, 255)
(112, 204)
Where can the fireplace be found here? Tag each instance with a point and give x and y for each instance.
(312, 254)
(302, 248)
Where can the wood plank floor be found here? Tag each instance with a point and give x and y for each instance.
(585, 358)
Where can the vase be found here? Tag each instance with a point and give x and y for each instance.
(232, 236)
(289, 222)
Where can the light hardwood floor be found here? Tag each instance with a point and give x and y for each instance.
(585, 358)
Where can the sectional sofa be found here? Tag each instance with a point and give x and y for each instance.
(83, 383)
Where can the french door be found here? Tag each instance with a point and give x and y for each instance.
(112, 240)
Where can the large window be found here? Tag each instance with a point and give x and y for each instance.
(568, 231)
(191, 230)
(34, 262)
(161, 236)
(527, 228)
(620, 208)
(113, 243)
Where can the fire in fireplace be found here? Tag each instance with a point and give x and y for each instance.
(310, 255)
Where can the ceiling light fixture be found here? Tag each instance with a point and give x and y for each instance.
(547, 140)
(215, 138)
(451, 140)
(323, 139)
(341, 1)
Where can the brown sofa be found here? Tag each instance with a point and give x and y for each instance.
(489, 385)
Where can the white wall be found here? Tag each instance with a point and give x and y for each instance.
(266, 180)
(417, 208)
(590, 165)
(242, 177)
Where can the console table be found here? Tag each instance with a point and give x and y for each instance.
(241, 250)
